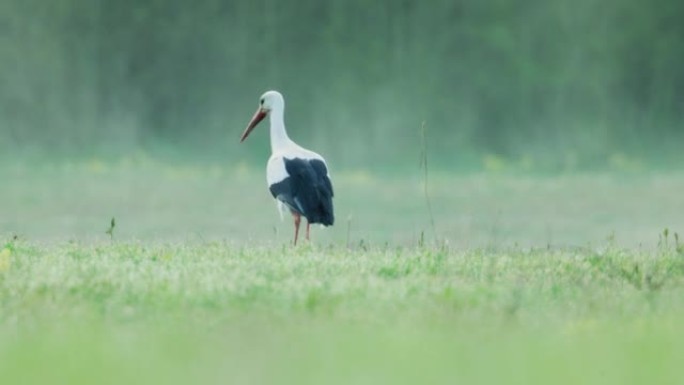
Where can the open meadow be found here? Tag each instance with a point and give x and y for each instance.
(508, 181)
(528, 279)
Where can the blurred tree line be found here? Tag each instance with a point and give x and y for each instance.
(558, 82)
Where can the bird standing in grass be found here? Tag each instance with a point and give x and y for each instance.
(297, 178)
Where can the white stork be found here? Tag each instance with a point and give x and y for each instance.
(297, 178)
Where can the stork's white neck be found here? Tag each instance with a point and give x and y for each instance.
(279, 138)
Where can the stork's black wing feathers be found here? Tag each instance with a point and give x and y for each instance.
(307, 190)
(322, 174)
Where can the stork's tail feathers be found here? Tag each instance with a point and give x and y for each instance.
(323, 213)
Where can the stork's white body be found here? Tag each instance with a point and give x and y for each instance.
(275, 168)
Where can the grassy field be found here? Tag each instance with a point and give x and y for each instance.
(563, 280)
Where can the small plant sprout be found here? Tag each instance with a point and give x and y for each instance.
(110, 230)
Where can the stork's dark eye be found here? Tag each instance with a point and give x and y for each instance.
(262, 102)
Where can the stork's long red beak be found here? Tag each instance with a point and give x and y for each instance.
(259, 115)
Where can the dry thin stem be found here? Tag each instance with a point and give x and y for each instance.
(424, 165)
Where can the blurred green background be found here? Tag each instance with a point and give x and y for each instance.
(536, 85)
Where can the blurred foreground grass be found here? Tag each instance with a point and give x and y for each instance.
(216, 313)
(556, 279)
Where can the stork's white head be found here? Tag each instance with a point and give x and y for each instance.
(269, 101)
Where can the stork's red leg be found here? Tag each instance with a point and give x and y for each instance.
(297, 220)
(307, 230)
